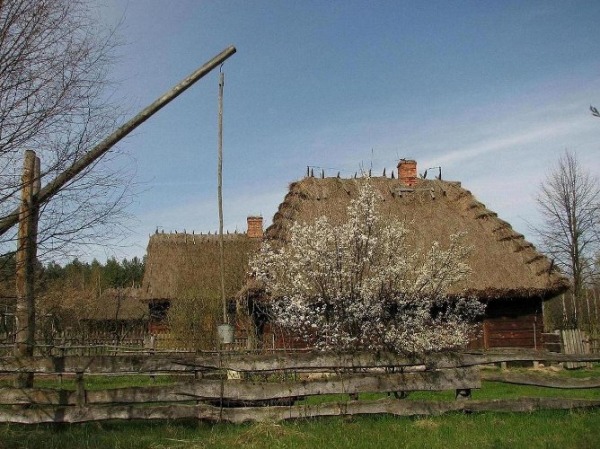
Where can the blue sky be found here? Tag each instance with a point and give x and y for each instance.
(492, 91)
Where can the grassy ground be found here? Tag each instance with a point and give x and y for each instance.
(546, 429)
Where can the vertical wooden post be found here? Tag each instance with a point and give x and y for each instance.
(25, 264)
(220, 196)
(486, 334)
(564, 310)
(80, 393)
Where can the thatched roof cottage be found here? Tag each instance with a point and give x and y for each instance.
(116, 304)
(508, 273)
(183, 264)
(116, 316)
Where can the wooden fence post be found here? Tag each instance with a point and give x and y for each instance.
(80, 389)
(25, 264)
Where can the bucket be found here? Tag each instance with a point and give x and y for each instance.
(225, 332)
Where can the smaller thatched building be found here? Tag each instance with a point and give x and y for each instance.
(508, 274)
(184, 267)
(116, 315)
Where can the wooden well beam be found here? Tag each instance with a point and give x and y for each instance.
(53, 187)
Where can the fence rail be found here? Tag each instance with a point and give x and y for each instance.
(274, 386)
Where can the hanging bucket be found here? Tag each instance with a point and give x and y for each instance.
(225, 332)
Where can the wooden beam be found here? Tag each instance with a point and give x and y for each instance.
(247, 391)
(88, 158)
(317, 361)
(271, 414)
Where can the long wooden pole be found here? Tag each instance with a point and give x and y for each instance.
(25, 264)
(220, 197)
(88, 158)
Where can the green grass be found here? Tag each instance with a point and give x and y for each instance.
(544, 429)
(493, 390)
(548, 429)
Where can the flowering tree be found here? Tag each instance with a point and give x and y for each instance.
(362, 285)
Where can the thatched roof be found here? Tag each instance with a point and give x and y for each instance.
(117, 304)
(503, 263)
(182, 263)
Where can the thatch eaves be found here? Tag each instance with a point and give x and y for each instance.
(503, 263)
(182, 264)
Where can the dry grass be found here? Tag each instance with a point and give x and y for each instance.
(179, 263)
(262, 435)
(426, 424)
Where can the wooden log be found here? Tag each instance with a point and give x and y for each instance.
(80, 393)
(26, 259)
(321, 361)
(540, 381)
(220, 200)
(39, 396)
(453, 379)
(271, 414)
(107, 143)
(103, 364)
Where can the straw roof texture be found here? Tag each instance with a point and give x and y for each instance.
(181, 263)
(117, 304)
(503, 263)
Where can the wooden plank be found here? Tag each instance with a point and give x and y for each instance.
(109, 364)
(577, 341)
(573, 344)
(314, 361)
(565, 336)
(271, 414)
(486, 334)
(500, 325)
(40, 396)
(570, 341)
(452, 379)
(509, 341)
(551, 342)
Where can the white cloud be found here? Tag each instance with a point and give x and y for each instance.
(535, 134)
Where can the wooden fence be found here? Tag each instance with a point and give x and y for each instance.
(77, 349)
(575, 341)
(273, 386)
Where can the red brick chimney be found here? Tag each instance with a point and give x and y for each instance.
(407, 172)
(255, 227)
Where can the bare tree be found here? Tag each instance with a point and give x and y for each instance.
(54, 59)
(569, 203)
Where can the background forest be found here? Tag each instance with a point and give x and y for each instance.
(72, 299)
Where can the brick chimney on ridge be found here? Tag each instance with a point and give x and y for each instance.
(255, 227)
(407, 172)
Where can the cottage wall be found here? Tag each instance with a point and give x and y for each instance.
(514, 323)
